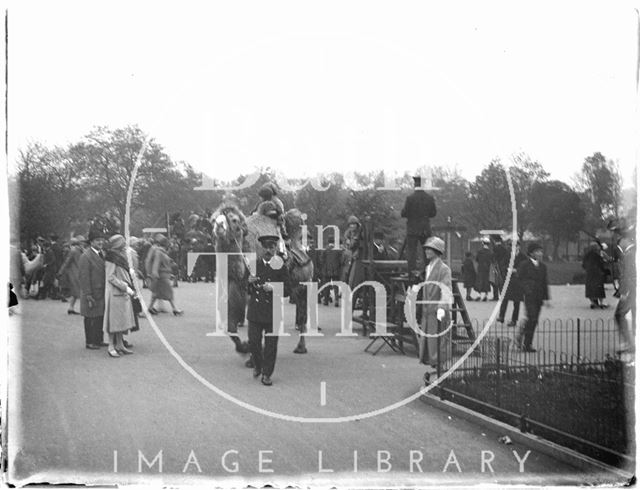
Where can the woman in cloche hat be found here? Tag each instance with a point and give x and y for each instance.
(438, 292)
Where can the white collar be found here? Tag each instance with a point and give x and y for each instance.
(535, 262)
(96, 251)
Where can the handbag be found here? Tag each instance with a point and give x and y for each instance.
(136, 305)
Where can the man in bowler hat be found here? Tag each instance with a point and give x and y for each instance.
(92, 285)
(532, 274)
(260, 309)
(418, 208)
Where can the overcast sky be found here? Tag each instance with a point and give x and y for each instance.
(332, 85)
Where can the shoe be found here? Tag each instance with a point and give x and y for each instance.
(337, 305)
(92, 346)
(529, 349)
(153, 311)
(326, 303)
(256, 372)
(72, 312)
(604, 306)
(178, 312)
(64, 300)
(103, 344)
(511, 324)
(484, 299)
(249, 363)
(500, 320)
(127, 344)
(113, 353)
(124, 351)
(300, 350)
(266, 380)
(242, 347)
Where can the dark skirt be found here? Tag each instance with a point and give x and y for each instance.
(162, 288)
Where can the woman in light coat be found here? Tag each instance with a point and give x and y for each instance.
(118, 309)
(438, 291)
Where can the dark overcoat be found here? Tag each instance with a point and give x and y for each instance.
(484, 257)
(533, 280)
(595, 269)
(92, 282)
(514, 290)
(418, 208)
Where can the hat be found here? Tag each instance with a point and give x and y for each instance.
(117, 242)
(94, 233)
(352, 219)
(417, 181)
(435, 243)
(77, 239)
(161, 240)
(533, 247)
(264, 239)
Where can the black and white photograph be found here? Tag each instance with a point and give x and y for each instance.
(285, 244)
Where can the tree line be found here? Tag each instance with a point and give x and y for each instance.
(58, 189)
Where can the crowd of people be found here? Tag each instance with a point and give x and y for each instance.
(101, 275)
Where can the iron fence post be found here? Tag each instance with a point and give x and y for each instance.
(498, 367)
(578, 335)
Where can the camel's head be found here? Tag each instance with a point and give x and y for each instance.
(229, 222)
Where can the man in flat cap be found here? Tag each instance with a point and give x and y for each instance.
(438, 291)
(260, 309)
(418, 208)
(532, 274)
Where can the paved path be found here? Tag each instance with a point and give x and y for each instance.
(72, 409)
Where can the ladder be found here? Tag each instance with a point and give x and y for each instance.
(463, 333)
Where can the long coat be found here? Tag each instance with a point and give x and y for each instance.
(593, 264)
(468, 273)
(418, 208)
(428, 346)
(118, 310)
(160, 273)
(71, 267)
(484, 257)
(92, 279)
(514, 290)
(533, 280)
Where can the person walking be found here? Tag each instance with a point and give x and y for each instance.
(119, 316)
(160, 274)
(627, 301)
(533, 279)
(500, 265)
(92, 284)
(71, 267)
(514, 291)
(418, 208)
(596, 272)
(438, 292)
(484, 257)
(260, 310)
(468, 274)
(331, 266)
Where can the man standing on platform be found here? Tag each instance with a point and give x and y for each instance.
(419, 207)
(260, 309)
(92, 285)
